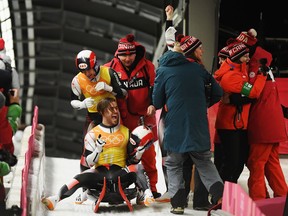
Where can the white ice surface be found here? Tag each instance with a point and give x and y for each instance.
(60, 171)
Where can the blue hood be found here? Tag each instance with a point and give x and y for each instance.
(171, 58)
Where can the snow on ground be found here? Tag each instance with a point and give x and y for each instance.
(59, 171)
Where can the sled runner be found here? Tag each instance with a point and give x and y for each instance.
(112, 192)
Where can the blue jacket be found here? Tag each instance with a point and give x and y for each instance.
(179, 85)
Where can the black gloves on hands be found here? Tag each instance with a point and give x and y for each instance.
(263, 69)
(8, 157)
(237, 99)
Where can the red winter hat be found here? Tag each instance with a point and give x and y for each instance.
(224, 52)
(126, 45)
(188, 44)
(236, 51)
(248, 38)
(2, 44)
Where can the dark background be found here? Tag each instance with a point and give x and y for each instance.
(246, 14)
(269, 19)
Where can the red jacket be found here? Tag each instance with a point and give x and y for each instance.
(6, 131)
(266, 121)
(232, 77)
(143, 74)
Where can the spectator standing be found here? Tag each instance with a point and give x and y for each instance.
(193, 50)
(193, 54)
(15, 86)
(180, 85)
(8, 111)
(15, 110)
(137, 74)
(231, 121)
(263, 160)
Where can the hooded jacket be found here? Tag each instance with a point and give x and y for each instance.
(266, 113)
(179, 85)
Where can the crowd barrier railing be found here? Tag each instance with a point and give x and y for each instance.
(28, 177)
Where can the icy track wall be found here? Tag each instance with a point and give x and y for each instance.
(28, 177)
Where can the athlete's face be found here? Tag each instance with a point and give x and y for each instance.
(127, 60)
(111, 115)
(90, 73)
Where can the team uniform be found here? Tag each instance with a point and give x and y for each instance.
(115, 149)
(231, 121)
(118, 155)
(81, 86)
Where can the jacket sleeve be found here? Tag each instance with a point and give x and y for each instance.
(234, 83)
(216, 92)
(4, 169)
(158, 95)
(117, 85)
(151, 74)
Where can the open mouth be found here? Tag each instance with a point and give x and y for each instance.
(115, 117)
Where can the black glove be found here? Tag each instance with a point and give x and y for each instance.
(237, 99)
(263, 69)
(7, 157)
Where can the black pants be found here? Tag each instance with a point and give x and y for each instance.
(235, 150)
(200, 197)
(93, 179)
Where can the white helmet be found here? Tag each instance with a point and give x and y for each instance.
(142, 136)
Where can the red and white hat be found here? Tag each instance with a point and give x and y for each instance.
(127, 45)
(224, 52)
(248, 38)
(236, 51)
(188, 44)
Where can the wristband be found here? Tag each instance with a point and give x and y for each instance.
(246, 89)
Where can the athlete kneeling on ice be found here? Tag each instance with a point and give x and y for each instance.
(111, 153)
